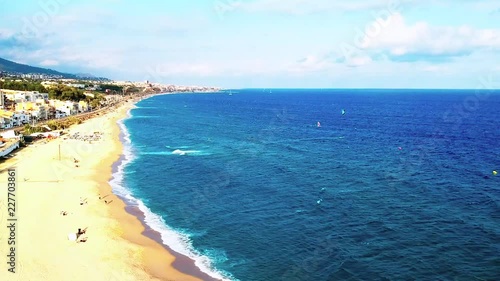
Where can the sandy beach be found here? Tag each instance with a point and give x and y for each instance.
(56, 196)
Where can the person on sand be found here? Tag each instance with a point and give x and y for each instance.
(80, 232)
(83, 201)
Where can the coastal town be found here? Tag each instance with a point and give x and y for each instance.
(33, 105)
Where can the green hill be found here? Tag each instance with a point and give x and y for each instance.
(10, 66)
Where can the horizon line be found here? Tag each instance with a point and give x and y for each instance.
(313, 88)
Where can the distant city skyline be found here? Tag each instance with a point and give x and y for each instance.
(262, 43)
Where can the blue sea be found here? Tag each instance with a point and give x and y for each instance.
(389, 185)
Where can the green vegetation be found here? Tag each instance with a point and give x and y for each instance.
(24, 85)
(55, 125)
(72, 120)
(63, 92)
(95, 102)
(28, 129)
(112, 88)
(132, 90)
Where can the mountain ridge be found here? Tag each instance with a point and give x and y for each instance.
(19, 68)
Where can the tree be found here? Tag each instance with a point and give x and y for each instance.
(24, 85)
(112, 88)
(63, 92)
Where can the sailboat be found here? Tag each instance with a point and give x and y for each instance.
(343, 112)
(318, 125)
(230, 93)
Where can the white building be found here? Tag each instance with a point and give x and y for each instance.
(60, 114)
(30, 96)
(64, 111)
(73, 106)
(80, 86)
(20, 118)
(6, 119)
(41, 113)
(82, 107)
(68, 108)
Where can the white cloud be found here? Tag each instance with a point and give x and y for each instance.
(194, 69)
(49, 62)
(309, 64)
(359, 60)
(68, 56)
(301, 7)
(313, 6)
(6, 33)
(104, 57)
(437, 69)
(399, 38)
(162, 71)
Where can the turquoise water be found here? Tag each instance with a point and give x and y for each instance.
(400, 187)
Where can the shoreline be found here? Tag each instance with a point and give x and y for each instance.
(182, 262)
(117, 244)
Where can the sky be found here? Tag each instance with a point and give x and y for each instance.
(262, 43)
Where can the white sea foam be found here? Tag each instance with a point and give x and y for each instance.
(185, 152)
(147, 116)
(176, 240)
(180, 243)
(177, 152)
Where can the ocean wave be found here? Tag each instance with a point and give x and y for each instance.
(178, 241)
(185, 152)
(177, 152)
(178, 147)
(146, 116)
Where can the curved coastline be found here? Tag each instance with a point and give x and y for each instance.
(121, 243)
(186, 260)
(71, 175)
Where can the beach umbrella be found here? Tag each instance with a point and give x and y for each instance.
(72, 237)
